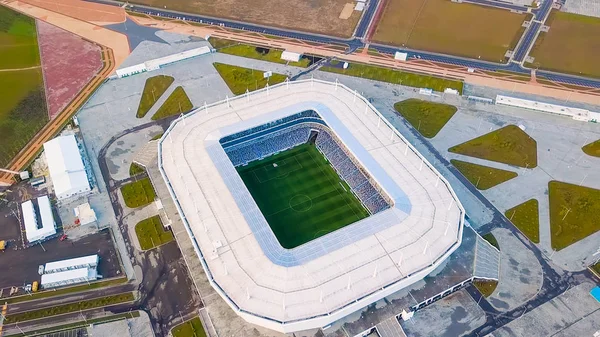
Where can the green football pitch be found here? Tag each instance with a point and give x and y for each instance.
(301, 195)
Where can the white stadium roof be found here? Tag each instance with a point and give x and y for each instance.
(328, 278)
(66, 167)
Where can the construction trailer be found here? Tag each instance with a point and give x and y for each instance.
(90, 261)
(68, 277)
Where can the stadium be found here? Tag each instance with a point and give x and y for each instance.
(304, 204)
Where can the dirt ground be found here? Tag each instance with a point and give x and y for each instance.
(451, 28)
(319, 16)
(570, 46)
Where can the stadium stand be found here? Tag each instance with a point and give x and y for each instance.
(271, 138)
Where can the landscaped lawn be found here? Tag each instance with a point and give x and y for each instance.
(396, 77)
(574, 212)
(259, 53)
(483, 177)
(151, 233)
(509, 145)
(427, 117)
(135, 169)
(485, 287)
(71, 307)
(138, 193)
(596, 268)
(526, 218)
(489, 237)
(191, 328)
(592, 149)
(157, 137)
(177, 103)
(154, 88)
(240, 79)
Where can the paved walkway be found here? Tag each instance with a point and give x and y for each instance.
(390, 328)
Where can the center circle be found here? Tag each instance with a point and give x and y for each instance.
(300, 203)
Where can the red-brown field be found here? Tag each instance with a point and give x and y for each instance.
(68, 63)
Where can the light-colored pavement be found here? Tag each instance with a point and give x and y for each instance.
(131, 327)
(390, 328)
(582, 7)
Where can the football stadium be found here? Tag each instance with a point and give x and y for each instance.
(304, 204)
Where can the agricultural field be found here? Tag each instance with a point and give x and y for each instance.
(570, 46)
(138, 193)
(301, 195)
(427, 117)
(318, 16)
(177, 103)
(509, 145)
(394, 76)
(258, 53)
(592, 149)
(151, 233)
(22, 100)
(240, 79)
(574, 213)
(526, 218)
(482, 177)
(154, 87)
(447, 27)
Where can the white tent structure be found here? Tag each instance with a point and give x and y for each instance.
(90, 261)
(33, 232)
(68, 277)
(66, 167)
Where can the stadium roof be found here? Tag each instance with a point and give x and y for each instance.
(328, 278)
(66, 167)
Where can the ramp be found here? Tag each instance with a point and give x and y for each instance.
(390, 328)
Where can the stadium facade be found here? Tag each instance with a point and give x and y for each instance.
(415, 220)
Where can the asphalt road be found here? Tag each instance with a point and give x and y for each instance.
(523, 48)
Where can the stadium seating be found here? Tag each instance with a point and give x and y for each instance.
(275, 137)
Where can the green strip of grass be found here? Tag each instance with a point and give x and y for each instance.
(489, 237)
(177, 103)
(592, 149)
(65, 291)
(427, 117)
(138, 193)
(80, 324)
(157, 137)
(396, 77)
(509, 145)
(68, 308)
(485, 287)
(574, 213)
(483, 177)
(526, 218)
(259, 53)
(153, 89)
(151, 233)
(135, 169)
(192, 328)
(596, 268)
(240, 79)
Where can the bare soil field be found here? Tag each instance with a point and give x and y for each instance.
(68, 63)
(318, 16)
(451, 28)
(570, 46)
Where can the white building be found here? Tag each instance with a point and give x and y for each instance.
(38, 230)
(155, 64)
(575, 113)
(90, 261)
(85, 214)
(68, 277)
(290, 56)
(66, 167)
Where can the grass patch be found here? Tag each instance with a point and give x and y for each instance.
(396, 77)
(509, 145)
(576, 33)
(240, 79)
(592, 149)
(138, 193)
(259, 53)
(596, 268)
(65, 290)
(417, 24)
(191, 328)
(574, 213)
(526, 218)
(157, 137)
(489, 237)
(71, 307)
(18, 40)
(302, 189)
(177, 103)
(485, 287)
(81, 324)
(482, 177)
(135, 169)
(151, 233)
(427, 117)
(154, 88)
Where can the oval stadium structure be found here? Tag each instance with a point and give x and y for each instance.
(304, 204)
